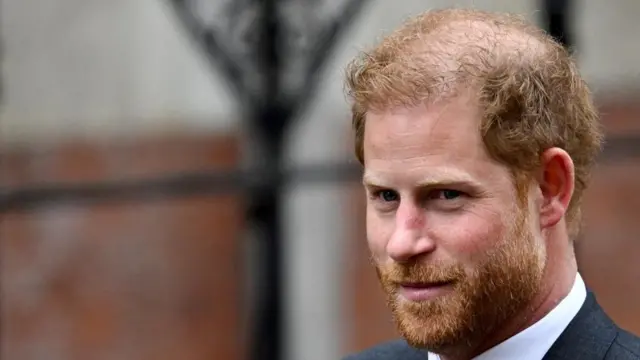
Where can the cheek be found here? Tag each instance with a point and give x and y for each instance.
(468, 236)
(378, 234)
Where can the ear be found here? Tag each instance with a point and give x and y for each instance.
(556, 184)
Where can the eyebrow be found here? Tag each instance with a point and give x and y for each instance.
(442, 177)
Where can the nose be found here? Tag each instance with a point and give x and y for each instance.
(409, 238)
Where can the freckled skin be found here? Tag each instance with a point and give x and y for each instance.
(440, 208)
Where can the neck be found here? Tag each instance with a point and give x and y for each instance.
(557, 281)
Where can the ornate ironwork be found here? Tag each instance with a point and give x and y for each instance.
(219, 29)
(268, 50)
(271, 52)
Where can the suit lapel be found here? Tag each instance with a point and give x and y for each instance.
(588, 336)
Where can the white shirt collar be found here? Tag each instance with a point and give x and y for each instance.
(534, 342)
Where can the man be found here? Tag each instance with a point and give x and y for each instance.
(477, 135)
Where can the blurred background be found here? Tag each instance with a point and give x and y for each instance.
(177, 179)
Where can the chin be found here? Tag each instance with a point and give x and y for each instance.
(436, 333)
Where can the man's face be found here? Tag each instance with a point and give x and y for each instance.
(455, 245)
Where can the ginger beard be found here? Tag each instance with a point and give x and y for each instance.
(499, 287)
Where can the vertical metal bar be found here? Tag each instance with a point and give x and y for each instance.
(2, 92)
(271, 121)
(556, 17)
(265, 213)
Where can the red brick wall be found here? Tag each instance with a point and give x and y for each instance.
(608, 252)
(127, 279)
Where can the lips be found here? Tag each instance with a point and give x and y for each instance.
(425, 284)
(424, 291)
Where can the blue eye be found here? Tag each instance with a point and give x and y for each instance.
(450, 194)
(388, 195)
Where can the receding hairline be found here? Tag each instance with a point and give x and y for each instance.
(466, 37)
(454, 20)
(456, 45)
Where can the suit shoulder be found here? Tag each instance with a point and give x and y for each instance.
(626, 346)
(391, 350)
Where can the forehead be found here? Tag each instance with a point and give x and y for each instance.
(441, 138)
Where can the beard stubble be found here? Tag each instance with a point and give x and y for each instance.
(499, 288)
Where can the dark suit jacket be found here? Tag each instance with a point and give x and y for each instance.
(591, 335)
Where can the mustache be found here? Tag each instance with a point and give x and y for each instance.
(419, 273)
